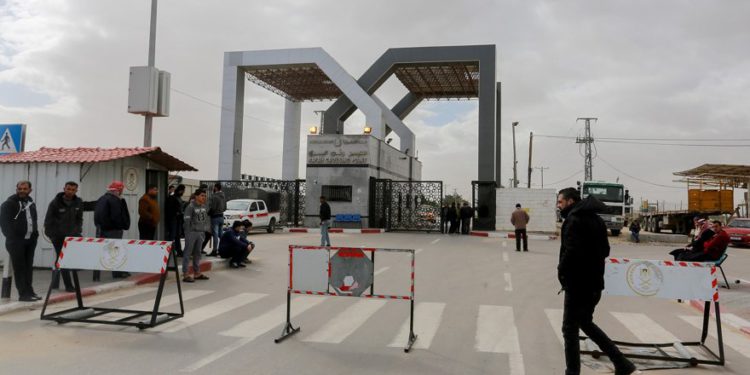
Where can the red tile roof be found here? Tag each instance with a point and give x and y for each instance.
(95, 155)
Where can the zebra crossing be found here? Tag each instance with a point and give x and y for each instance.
(255, 315)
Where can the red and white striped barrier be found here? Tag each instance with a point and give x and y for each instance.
(108, 254)
(661, 279)
(336, 230)
(512, 235)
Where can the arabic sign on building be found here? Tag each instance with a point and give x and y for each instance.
(338, 149)
(12, 138)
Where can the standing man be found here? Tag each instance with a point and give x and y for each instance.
(444, 218)
(18, 222)
(452, 217)
(584, 246)
(519, 218)
(325, 222)
(64, 219)
(148, 213)
(112, 218)
(466, 213)
(216, 207)
(197, 223)
(173, 217)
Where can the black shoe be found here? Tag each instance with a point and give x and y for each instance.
(27, 299)
(70, 290)
(213, 254)
(247, 261)
(626, 369)
(234, 265)
(525, 249)
(241, 265)
(35, 296)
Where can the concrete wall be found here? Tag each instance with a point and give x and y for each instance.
(351, 160)
(539, 203)
(48, 179)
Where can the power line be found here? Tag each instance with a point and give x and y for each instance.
(672, 144)
(651, 141)
(566, 178)
(638, 179)
(220, 107)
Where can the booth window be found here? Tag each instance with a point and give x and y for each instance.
(337, 193)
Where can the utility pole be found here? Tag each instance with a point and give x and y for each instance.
(541, 169)
(531, 142)
(515, 162)
(587, 140)
(148, 125)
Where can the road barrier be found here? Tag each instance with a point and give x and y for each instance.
(672, 280)
(105, 254)
(339, 271)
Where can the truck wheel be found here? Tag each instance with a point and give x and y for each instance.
(615, 232)
(271, 225)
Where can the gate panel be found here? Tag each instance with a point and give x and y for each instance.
(405, 205)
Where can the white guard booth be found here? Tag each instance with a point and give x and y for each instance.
(671, 280)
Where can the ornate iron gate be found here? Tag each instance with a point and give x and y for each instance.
(286, 197)
(405, 205)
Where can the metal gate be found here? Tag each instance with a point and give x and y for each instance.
(405, 205)
(286, 197)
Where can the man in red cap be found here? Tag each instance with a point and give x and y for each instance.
(112, 218)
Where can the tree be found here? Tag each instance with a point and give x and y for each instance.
(454, 198)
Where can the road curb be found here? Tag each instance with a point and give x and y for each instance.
(133, 281)
(699, 305)
(512, 235)
(336, 230)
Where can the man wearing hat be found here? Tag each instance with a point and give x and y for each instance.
(112, 218)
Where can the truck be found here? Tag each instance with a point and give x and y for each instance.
(702, 201)
(614, 196)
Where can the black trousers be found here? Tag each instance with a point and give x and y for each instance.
(22, 258)
(521, 234)
(235, 254)
(146, 231)
(465, 225)
(57, 243)
(578, 314)
(454, 226)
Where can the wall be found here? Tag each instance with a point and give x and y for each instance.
(539, 203)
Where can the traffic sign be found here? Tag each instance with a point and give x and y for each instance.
(12, 138)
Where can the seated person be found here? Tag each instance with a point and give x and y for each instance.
(232, 247)
(695, 248)
(243, 237)
(712, 248)
(635, 230)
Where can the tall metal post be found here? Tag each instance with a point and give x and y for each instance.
(542, 173)
(531, 142)
(148, 127)
(587, 140)
(515, 161)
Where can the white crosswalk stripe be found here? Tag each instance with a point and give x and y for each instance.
(169, 300)
(554, 316)
(732, 339)
(644, 328)
(209, 311)
(273, 319)
(346, 322)
(427, 319)
(497, 333)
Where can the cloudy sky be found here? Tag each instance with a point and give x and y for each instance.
(654, 71)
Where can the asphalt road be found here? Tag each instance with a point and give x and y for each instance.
(481, 308)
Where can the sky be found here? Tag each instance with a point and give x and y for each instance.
(659, 72)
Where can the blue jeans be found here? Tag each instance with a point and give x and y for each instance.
(324, 239)
(217, 225)
(636, 236)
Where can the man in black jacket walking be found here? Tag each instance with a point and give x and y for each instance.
(325, 222)
(64, 219)
(18, 221)
(584, 246)
(112, 218)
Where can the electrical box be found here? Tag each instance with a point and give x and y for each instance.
(143, 90)
(165, 79)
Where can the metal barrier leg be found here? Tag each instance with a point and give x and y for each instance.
(706, 315)
(725, 277)
(288, 328)
(412, 336)
(719, 335)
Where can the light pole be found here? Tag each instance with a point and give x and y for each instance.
(148, 125)
(515, 162)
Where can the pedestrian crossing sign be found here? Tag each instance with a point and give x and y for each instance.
(12, 138)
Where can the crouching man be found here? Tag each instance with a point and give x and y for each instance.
(232, 247)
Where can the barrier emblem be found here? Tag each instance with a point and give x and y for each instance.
(644, 278)
(113, 256)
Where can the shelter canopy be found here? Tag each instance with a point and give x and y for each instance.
(295, 82)
(718, 174)
(96, 154)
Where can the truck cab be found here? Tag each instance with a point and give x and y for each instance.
(614, 196)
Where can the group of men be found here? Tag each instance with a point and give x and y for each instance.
(709, 243)
(456, 219)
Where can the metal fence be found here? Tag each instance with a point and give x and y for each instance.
(405, 205)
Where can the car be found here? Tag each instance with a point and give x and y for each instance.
(739, 231)
(254, 210)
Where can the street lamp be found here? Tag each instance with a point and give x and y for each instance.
(515, 162)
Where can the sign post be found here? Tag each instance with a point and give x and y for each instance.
(671, 280)
(106, 254)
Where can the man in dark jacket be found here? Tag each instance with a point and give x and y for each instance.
(584, 246)
(325, 222)
(232, 246)
(64, 219)
(466, 214)
(173, 212)
(452, 217)
(217, 204)
(112, 218)
(18, 221)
